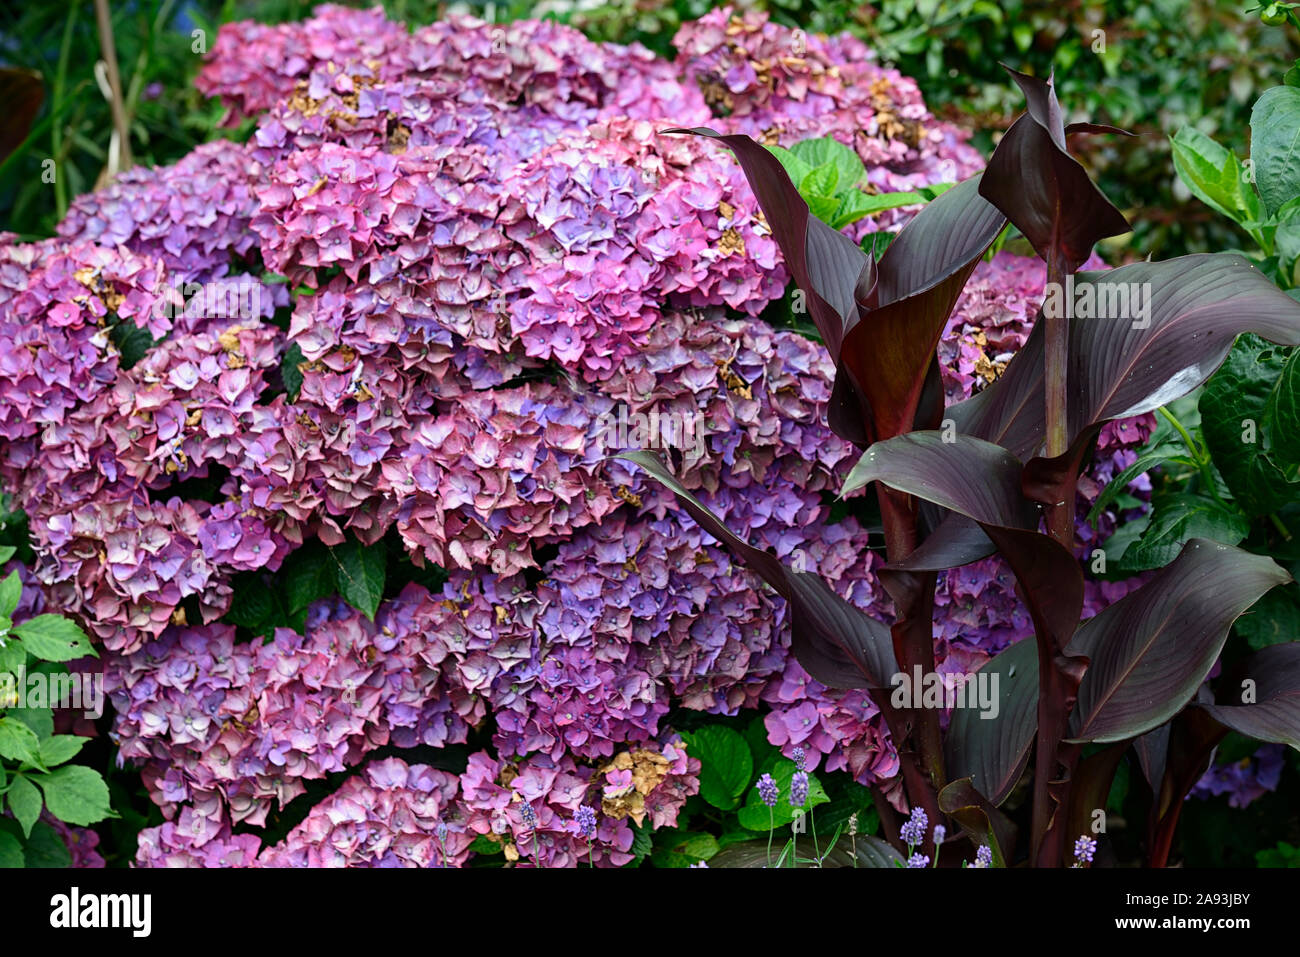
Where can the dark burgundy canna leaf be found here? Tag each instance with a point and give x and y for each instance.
(1152, 649)
(22, 93)
(891, 347)
(880, 321)
(1152, 749)
(1193, 736)
(1042, 189)
(979, 818)
(824, 263)
(1198, 306)
(993, 752)
(1090, 786)
(1274, 713)
(835, 642)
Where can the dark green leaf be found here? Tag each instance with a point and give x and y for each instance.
(725, 764)
(53, 638)
(1275, 146)
(75, 794)
(1177, 520)
(361, 571)
(25, 801)
(290, 373)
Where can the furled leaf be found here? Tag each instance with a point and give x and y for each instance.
(1275, 146)
(889, 349)
(834, 641)
(993, 752)
(361, 571)
(75, 794)
(1042, 189)
(1152, 649)
(725, 764)
(53, 638)
(1152, 750)
(1274, 714)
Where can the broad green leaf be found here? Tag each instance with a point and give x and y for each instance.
(855, 204)
(827, 151)
(725, 764)
(308, 575)
(11, 851)
(25, 801)
(251, 605)
(1282, 418)
(45, 848)
(1273, 620)
(11, 589)
(1237, 410)
(40, 720)
(76, 794)
(132, 342)
(54, 638)
(689, 849)
(290, 373)
(361, 570)
(1213, 174)
(795, 168)
(1175, 521)
(818, 188)
(6, 551)
(60, 748)
(1275, 146)
(756, 816)
(18, 742)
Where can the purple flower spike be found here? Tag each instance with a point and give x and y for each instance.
(1084, 848)
(918, 860)
(799, 789)
(800, 758)
(768, 792)
(586, 820)
(913, 832)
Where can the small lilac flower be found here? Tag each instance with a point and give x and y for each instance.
(700, 864)
(800, 758)
(586, 821)
(983, 856)
(918, 860)
(768, 792)
(940, 832)
(913, 832)
(799, 789)
(529, 816)
(1084, 848)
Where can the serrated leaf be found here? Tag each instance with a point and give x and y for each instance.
(76, 794)
(59, 748)
(361, 571)
(18, 742)
(25, 801)
(11, 590)
(54, 638)
(794, 167)
(1273, 620)
(40, 720)
(1282, 416)
(725, 764)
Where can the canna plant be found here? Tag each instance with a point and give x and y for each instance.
(997, 473)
